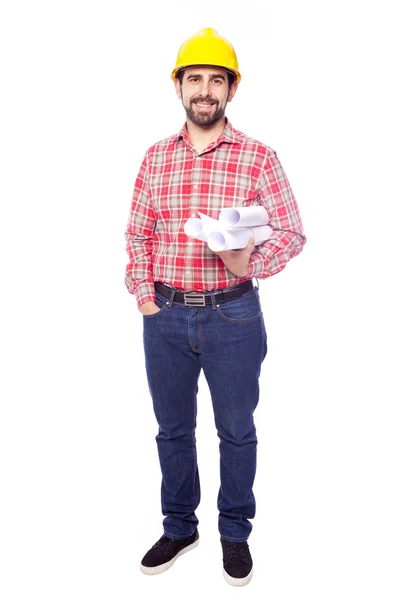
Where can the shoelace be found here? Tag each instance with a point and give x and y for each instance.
(164, 544)
(238, 550)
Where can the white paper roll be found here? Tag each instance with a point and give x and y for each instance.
(261, 233)
(235, 238)
(247, 216)
(201, 228)
(194, 229)
(209, 224)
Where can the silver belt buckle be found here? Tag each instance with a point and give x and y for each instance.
(194, 299)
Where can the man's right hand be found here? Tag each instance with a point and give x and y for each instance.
(149, 308)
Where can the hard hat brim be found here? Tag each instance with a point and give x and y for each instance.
(174, 74)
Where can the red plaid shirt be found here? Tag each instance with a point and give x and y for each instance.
(174, 182)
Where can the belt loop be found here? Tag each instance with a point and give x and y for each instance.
(171, 298)
(213, 304)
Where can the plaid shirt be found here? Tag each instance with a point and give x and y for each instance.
(174, 182)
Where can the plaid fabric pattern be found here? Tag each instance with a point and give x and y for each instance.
(174, 182)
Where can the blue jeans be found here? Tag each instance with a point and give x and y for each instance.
(229, 343)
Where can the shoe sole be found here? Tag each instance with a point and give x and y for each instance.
(167, 565)
(237, 582)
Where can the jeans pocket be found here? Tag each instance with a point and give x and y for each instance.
(161, 302)
(243, 310)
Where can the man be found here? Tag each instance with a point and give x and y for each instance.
(200, 309)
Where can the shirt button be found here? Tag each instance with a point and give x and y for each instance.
(193, 215)
(188, 272)
(195, 187)
(190, 243)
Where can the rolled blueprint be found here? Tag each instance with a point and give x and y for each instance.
(232, 238)
(194, 229)
(201, 228)
(247, 216)
(209, 224)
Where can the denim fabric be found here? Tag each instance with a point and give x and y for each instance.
(229, 343)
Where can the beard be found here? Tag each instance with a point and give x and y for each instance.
(204, 119)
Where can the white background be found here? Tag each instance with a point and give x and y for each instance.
(86, 90)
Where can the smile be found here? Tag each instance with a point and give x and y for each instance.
(204, 105)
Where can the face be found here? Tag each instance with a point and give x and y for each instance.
(205, 93)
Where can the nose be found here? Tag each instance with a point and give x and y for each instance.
(204, 89)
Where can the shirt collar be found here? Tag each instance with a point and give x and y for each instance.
(229, 135)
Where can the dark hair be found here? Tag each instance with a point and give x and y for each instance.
(230, 74)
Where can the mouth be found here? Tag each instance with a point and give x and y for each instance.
(203, 105)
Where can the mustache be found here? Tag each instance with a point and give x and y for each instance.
(201, 99)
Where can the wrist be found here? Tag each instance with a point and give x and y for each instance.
(148, 308)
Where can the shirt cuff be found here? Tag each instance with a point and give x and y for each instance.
(145, 293)
(256, 265)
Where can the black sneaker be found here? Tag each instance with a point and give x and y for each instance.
(165, 552)
(238, 565)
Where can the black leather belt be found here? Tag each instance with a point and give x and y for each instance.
(194, 299)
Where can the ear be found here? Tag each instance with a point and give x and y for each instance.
(233, 90)
(178, 89)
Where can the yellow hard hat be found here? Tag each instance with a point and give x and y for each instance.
(207, 48)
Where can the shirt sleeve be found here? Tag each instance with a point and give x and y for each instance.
(287, 239)
(139, 240)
